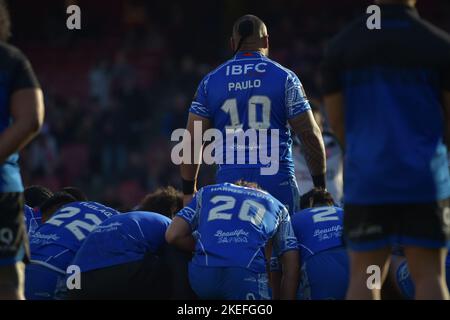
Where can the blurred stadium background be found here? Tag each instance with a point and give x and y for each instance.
(116, 89)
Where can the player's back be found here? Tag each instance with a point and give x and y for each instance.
(251, 91)
(67, 228)
(14, 72)
(234, 226)
(318, 229)
(392, 82)
(122, 238)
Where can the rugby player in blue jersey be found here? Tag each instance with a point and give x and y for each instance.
(21, 117)
(387, 95)
(54, 244)
(252, 94)
(232, 229)
(323, 258)
(126, 256)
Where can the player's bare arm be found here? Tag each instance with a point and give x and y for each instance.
(290, 275)
(179, 234)
(27, 112)
(273, 276)
(189, 171)
(306, 128)
(334, 105)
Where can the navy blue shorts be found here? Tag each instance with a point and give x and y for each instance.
(373, 227)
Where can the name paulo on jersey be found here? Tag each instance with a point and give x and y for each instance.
(237, 70)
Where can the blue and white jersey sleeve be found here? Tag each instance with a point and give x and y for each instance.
(199, 105)
(296, 101)
(284, 238)
(190, 213)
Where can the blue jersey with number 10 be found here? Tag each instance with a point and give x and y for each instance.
(318, 229)
(69, 226)
(251, 91)
(233, 225)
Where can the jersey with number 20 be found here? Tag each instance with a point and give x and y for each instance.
(233, 225)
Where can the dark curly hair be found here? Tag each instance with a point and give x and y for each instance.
(54, 203)
(316, 196)
(166, 201)
(36, 195)
(75, 192)
(5, 21)
(248, 184)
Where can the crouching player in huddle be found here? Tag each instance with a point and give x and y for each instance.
(36, 196)
(126, 257)
(323, 258)
(53, 245)
(231, 228)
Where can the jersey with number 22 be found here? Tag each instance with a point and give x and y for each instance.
(70, 225)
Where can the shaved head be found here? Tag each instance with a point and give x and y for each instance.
(249, 33)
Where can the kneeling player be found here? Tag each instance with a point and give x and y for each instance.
(126, 256)
(324, 260)
(230, 227)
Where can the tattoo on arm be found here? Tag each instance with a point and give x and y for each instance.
(189, 171)
(311, 138)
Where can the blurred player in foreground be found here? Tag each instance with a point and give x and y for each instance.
(21, 117)
(323, 257)
(388, 101)
(232, 228)
(251, 92)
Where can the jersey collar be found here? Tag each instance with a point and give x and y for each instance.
(248, 55)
